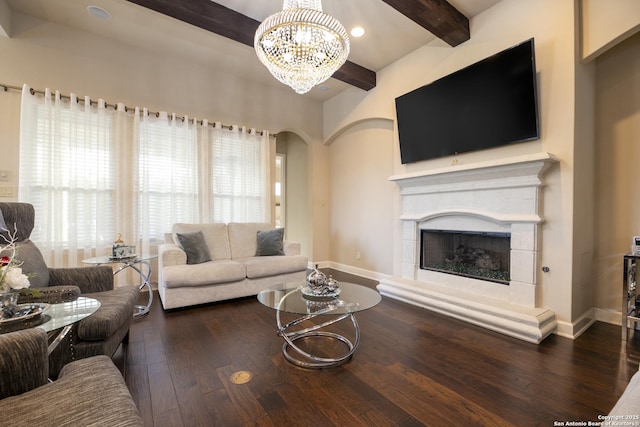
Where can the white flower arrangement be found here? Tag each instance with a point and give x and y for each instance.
(11, 275)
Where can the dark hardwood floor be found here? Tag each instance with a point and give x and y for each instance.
(413, 367)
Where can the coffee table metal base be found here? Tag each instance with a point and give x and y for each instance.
(298, 356)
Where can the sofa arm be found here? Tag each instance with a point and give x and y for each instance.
(88, 279)
(24, 364)
(291, 248)
(170, 254)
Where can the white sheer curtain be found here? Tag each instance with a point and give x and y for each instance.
(67, 172)
(93, 172)
(241, 168)
(167, 168)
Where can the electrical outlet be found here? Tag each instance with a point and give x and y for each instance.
(6, 191)
(357, 254)
(4, 175)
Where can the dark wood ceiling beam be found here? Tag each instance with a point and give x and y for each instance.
(228, 23)
(356, 75)
(438, 16)
(207, 15)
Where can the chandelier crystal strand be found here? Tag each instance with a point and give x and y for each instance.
(301, 46)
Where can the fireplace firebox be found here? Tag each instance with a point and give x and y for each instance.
(479, 255)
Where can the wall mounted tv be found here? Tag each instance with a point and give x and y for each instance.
(487, 104)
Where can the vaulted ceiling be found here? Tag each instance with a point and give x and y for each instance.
(219, 35)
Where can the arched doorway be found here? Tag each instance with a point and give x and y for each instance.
(295, 214)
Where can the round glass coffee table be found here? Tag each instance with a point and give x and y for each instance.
(308, 338)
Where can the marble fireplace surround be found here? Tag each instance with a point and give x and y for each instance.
(498, 196)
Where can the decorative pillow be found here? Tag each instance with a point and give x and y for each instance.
(3, 225)
(195, 247)
(270, 242)
(32, 263)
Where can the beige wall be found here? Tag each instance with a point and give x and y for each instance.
(43, 54)
(618, 174)
(606, 23)
(361, 197)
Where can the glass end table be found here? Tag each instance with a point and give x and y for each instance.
(56, 319)
(307, 338)
(135, 263)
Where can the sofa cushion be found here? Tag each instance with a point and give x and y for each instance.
(207, 273)
(270, 242)
(242, 238)
(215, 235)
(195, 247)
(265, 266)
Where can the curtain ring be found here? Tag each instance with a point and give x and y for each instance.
(32, 91)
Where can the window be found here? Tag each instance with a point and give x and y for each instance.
(167, 167)
(93, 173)
(67, 172)
(240, 182)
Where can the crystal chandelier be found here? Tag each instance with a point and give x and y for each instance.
(301, 46)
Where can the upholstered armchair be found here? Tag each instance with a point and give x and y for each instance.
(90, 391)
(100, 333)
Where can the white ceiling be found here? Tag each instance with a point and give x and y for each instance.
(389, 34)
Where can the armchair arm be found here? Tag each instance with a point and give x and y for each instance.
(88, 279)
(291, 248)
(24, 364)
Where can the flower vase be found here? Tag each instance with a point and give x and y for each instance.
(8, 303)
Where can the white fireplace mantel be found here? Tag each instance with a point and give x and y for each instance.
(501, 195)
(509, 172)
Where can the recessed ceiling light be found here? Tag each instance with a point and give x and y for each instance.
(323, 88)
(357, 32)
(99, 12)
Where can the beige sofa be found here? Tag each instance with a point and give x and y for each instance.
(234, 270)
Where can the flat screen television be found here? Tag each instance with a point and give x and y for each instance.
(487, 104)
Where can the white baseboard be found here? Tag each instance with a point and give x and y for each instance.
(576, 328)
(608, 316)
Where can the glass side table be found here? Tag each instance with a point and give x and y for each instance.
(307, 338)
(136, 264)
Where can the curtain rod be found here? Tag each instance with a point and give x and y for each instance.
(114, 106)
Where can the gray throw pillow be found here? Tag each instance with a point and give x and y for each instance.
(270, 242)
(3, 225)
(32, 263)
(195, 246)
